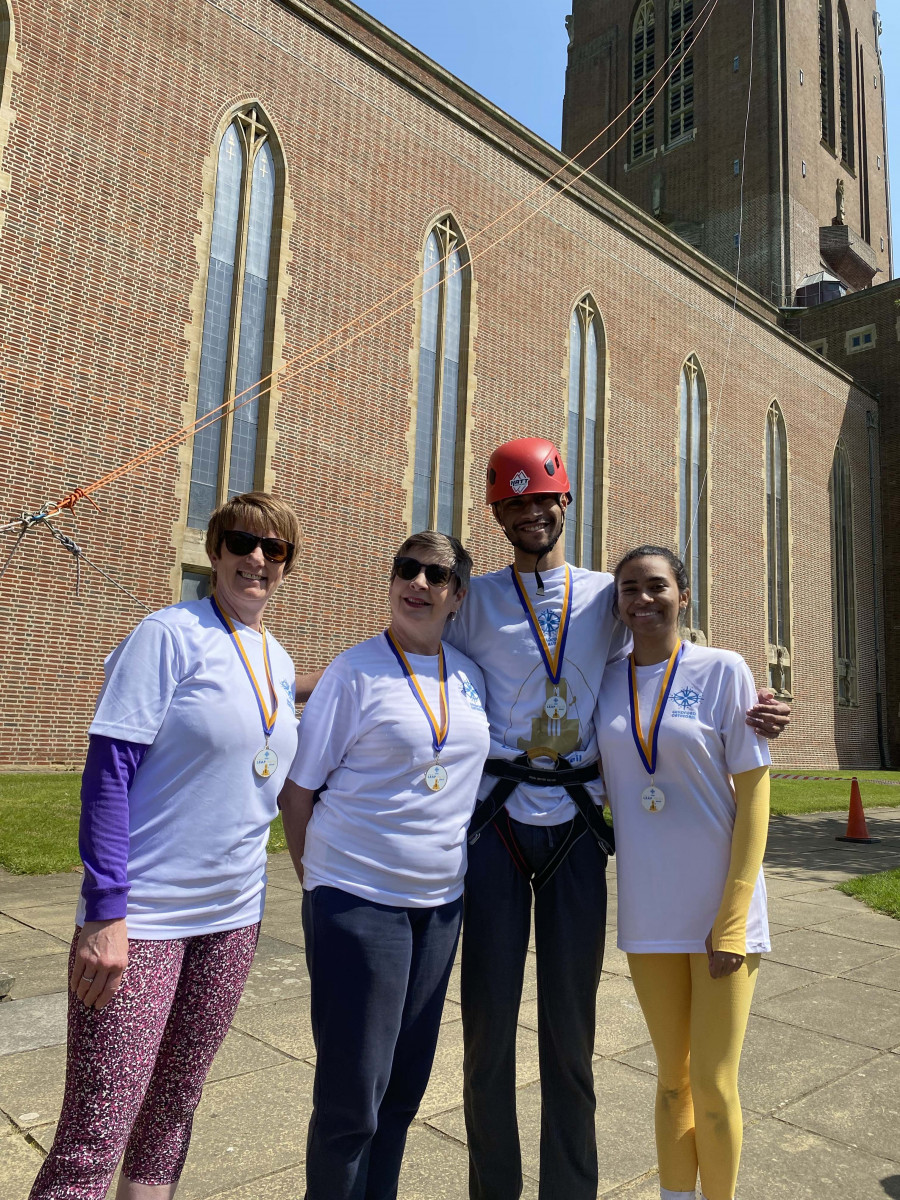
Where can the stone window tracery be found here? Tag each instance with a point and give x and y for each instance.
(442, 380)
(692, 492)
(681, 85)
(235, 349)
(843, 577)
(585, 433)
(777, 555)
(643, 87)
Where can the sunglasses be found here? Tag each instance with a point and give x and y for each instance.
(275, 550)
(410, 568)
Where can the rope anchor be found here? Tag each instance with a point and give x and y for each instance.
(41, 519)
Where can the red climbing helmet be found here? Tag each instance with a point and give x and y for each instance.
(524, 467)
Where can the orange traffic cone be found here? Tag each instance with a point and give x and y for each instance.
(857, 830)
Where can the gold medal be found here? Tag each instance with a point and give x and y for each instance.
(265, 762)
(435, 776)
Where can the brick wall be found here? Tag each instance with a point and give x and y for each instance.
(113, 118)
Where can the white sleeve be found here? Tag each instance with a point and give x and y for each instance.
(329, 725)
(141, 676)
(744, 748)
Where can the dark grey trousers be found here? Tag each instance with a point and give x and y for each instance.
(570, 927)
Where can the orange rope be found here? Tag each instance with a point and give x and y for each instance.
(250, 393)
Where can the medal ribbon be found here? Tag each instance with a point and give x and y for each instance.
(438, 732)
(553, 663)
(268, 721)
(647, 747)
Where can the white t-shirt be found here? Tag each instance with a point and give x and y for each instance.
(199, 815)
(493, 630)
(377, 831)
(672, 864)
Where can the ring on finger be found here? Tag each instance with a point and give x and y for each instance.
(86, 979)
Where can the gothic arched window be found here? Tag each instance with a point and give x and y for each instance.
(442, 380)
(777, 555)
(235, 349)
(643, 87)
(845, 80)
(585, 433)
(826, 73)
(693, 520)
(681, 85)
(844, 583)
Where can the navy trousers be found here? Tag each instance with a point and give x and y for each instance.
(570, 928)
(379, 976)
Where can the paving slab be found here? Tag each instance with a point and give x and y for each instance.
(825, 952)
(246, 1128)
(283, 923)
(278, 972)
(31, 1085)
(625, 1138)
(829, 898)
(781, 1162)
(865, 926)
(620, 1022)
(841, 1008)
(29, 943)
(780, 1063)
(19, 1163)
(862, 1109)
(39, 976)
(36, 1021)
(794, 913)
(56, 919)
(445, 1088)
(885, 973)
(285, 1024)
(283, 1185)
(241, 1054)
(776, 978)
(615, 961)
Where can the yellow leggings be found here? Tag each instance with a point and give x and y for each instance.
(697, 1025)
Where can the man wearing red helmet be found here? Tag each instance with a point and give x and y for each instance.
(542, 632)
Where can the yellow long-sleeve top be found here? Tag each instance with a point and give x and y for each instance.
(748, 845)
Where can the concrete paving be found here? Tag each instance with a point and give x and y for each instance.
(820, 1082)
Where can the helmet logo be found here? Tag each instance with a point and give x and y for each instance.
(519, 483)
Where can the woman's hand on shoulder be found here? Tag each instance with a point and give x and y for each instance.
(721, 962)
(769, 717)
(101, 957)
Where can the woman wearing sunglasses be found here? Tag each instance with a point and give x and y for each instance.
(192, 739)
(394, 738)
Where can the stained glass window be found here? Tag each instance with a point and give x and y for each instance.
(234, 351)
(826, 101)
(692, 491)
(777, 559)
(843, 576)
(587, 356)
(441, 382)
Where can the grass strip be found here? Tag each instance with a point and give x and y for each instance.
(880, 891)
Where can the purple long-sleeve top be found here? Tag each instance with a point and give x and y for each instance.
(103, 832)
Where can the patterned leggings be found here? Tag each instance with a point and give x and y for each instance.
(135, 1069)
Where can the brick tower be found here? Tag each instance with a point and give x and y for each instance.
(816, 221)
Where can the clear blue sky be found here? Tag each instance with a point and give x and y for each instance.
(514, 53)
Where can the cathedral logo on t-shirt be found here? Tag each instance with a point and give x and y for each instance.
(470, 694)
(289, 693)
(519, 482)
(548, 620)
(687, 700)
